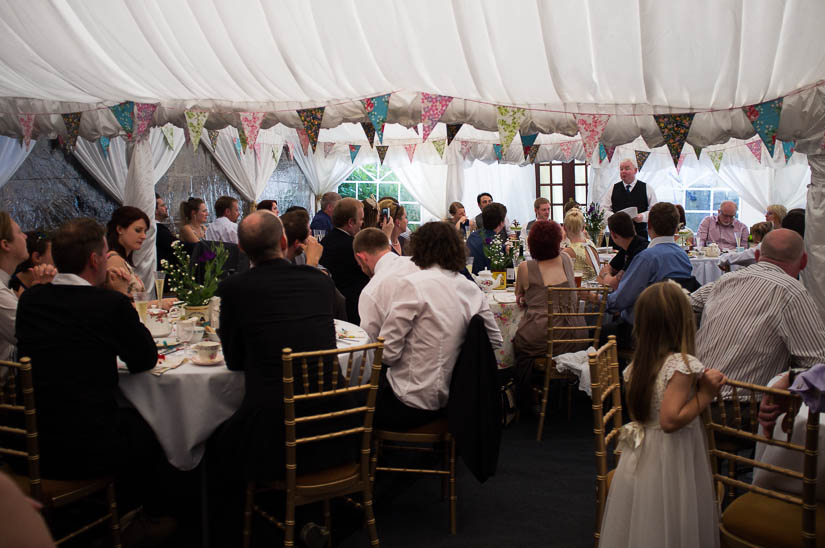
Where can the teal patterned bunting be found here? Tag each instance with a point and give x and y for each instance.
(104, 146)
(497, 149)
(602, 152)
(787, 147)
(124, 114)
(377, 108)
(765, 120)
(353, 152)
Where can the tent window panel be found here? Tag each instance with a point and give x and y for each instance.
(347, 190)
(720, 196)
(360, 174)
(558, 194)
(365, 190)
(404, 195)
(387, 189)
(380, 182)
(555, 170)
(387, 174)
(544, 175)
(413, 212)
(693, 219)
(544, 191)
(697, 199)
(581, 175)
(581, 194)
(558, 212)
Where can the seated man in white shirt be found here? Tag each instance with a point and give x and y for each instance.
(385, 269)
(225, 227)
(425, 330)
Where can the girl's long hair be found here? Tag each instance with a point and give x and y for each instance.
(664, 324)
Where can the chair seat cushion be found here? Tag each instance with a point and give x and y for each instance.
(765, 521)
(57, 492)
(438, 426)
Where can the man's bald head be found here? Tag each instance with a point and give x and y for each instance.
(785, 249)
(260, 236)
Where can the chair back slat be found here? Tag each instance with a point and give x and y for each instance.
(564, 302)
(16, 383)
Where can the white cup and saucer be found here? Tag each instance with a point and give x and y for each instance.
(207, 353)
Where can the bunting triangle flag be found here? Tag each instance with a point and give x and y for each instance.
(787, 147)
(353, 152)
(674, 128)
(410, 151)
(257, 148)
(439, 145)
(509, 121)
(382, 152)
(328, 148)
(698, 150)
(716, 158)
(195, 121)
(610, 151)
(213, 137)
(641, 158)
(680, 162)
(432, 107)
(756, 149)
(452, 131)
(465, 148)
(415, 129)
(534, 152)
(369, 131)
(144, 112)
(27, 125)
(104, 146)
(312, 118)
(242, 139)
(237, 142)
(602, 152)
(124, 114)
(497, 150)
(567, 149)
(304, 138)
(591, 127)
(377, 108)
(251, 124)
(527, 143)
(169, 135)
(289, 151)
(72, 123)
(276, 155)
(765, 120)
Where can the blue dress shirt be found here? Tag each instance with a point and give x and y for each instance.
(321, 221)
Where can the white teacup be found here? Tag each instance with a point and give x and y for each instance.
(207, 351)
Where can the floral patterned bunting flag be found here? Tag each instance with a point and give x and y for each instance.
(452, 131)
(787, 147)
(415, 129)
(716, 158)
(756, 149)
(497, 150)
(602, 152)
(465, 148)
(641, 158)
(276, 154)
(213, 137)
(353, 152)
(257, 149)
(382, 152)
(439, 145)
(104, 146)
(144, 112)
(195, 121)
(242, 139)
(377, 108)
(27, 125)
(328, 148)
(432, 108)
(567, 149)
(168, 132)
(312, 118)
(534, 152)
(674, 128)
(72, 123)
(304, 138)
(591, 127)
(237, 142)
(698, 150)
(765, 120)
(410, 151)
(610, 151)
(527, 143)
(251, 123)
(124, 114)
(369, 131)
(509, 120)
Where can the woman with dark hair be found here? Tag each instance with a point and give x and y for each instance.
(269, 205)
(683, 230)
(125, 233)
(549, 267)
(39, 245)
(194, 215)
(458, 218)
(398, 216)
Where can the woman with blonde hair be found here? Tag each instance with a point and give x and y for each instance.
(774, 214)
(398, 220)
(458, 217)
(580, 249)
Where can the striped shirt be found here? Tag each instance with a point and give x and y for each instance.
(757, 322)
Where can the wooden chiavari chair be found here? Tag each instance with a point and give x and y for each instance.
(338, 481)
(18, 426)
(762, 516)
(595, 299)
(607, 419)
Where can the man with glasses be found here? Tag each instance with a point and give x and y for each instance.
(723, 228)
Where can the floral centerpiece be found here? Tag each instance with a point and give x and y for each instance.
(182, 279)
(515, 227)
(594, 222)
(500, 256)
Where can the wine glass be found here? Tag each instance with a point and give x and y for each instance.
(142, 304)
(160, 276)
(470, 263)
(319, 234)
(186, 330)
(738, 237)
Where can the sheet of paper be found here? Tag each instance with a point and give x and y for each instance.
(632, 211)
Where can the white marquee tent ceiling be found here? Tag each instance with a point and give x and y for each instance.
(629, 58)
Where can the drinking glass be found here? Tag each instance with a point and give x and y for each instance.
(160, 277)
(186, 330)
(470, 263)
(319, 234)
(142, 304)
(738, 237)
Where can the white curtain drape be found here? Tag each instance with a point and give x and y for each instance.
(425, 178)
(250, 171)
(513, 186)
(140, 192)
(12, 155)
(109, 170)
(162, 155)
(814, 274)
(324, 172)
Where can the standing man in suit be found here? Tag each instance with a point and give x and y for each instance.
(164, 238)
(630, 192)
(338, 256)
(323, 219)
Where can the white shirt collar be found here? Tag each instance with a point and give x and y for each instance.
(633, 184)
(661, 240)
(385, 261)
(4, 277)
(70, 279)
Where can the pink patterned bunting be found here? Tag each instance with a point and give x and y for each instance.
(410, 151)
(591, 127)
(251, 123)
(432, 107)
(144, 112)
(257, 148)
(27, 124)
(567, 149)
(610, 151)
(304, 138)
(465, 148)
(328, 148)
(756, 149)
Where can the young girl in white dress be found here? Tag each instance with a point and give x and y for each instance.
(661, 494)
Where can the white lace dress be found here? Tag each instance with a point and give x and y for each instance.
(661, 494)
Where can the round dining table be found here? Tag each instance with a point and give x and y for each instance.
(705, 269)
(185, 404)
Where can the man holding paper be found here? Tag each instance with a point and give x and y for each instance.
(631, 196)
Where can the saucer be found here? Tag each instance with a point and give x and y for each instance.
(217, 361)
(168, 342)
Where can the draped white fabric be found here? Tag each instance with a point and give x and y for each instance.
(162, 155)
(109, 170)
(250, 171)
(323, 172)
(140, 192)
(510, 185)
(814, 274)
(428, 185)
(12, 155)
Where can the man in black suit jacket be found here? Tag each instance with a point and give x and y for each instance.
(272, 306)
(73, 330)
(339, 258)
(164, 238)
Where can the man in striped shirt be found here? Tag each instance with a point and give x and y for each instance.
(760, 321)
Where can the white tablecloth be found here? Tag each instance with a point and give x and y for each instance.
(705, 269)
(185, 405)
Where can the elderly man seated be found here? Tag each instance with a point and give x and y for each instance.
(723, 228)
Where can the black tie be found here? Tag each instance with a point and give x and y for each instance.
(627, 187)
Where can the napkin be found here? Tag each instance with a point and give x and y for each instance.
(810, 385)
(505, 297)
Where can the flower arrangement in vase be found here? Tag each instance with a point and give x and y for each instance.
(182, 279)
(594, 222)
(500, 255)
